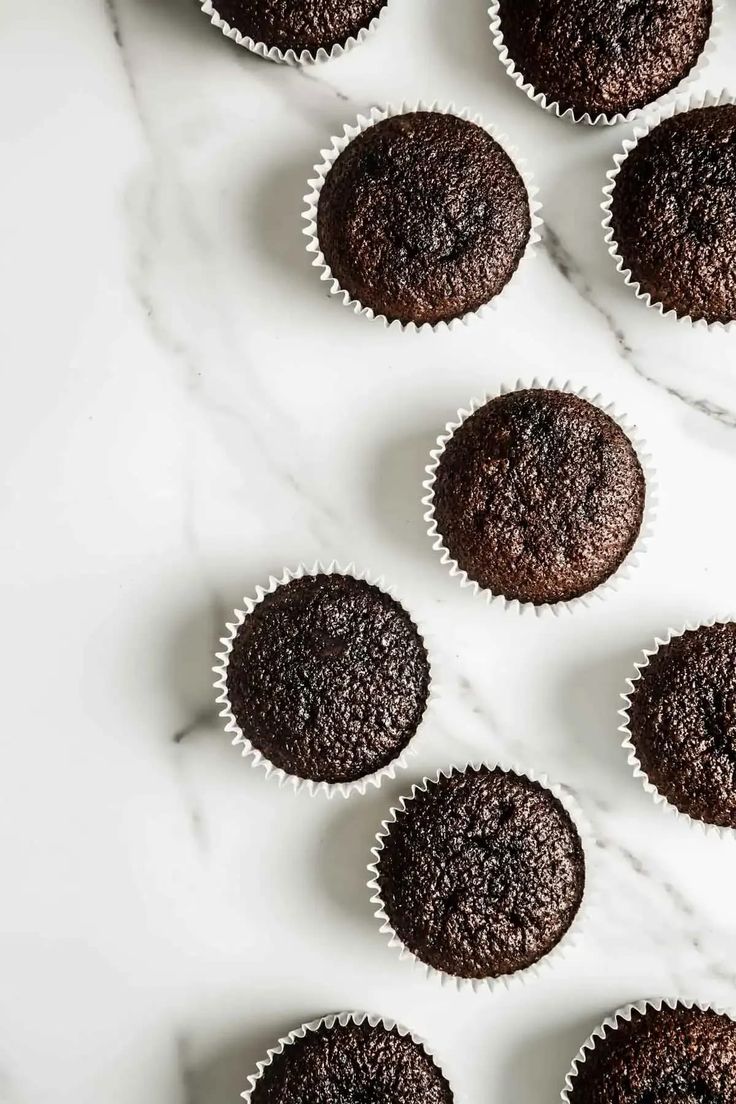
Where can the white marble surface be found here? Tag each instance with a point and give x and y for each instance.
(185, 410)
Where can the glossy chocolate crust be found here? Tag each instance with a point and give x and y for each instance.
(679, 1054)
(674, 217)
(605, 56)
(354, 1064)
(328, 678)
(299, 24)
(423, 218)
(482, 874)
(539, 496)
(683, 723)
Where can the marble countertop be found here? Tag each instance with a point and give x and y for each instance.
(186, 410)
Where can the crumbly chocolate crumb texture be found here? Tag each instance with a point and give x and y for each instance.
(674, 215)
(683, 723)
(605, 56)
(659, 1057)
(354, 1064)
(423, 217)
(328, 678)
(539, 496)
(482, 874)
(299, 24)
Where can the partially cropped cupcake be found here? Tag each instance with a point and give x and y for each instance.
(681, 722)
(423, 218)
(602, 60)
(481, 873)
(327, 679)
(672, 214)
(303, 29)
(353, 1060)
(538, 496)
(659, 1053)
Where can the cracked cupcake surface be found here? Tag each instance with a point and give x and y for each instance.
(352, 1064)
(605, 57)
(539, 496)
(423, 218)
(659, 1057)
(682, 721)
(299, 25)
(673, 214)
(482, 874)
(328, 678)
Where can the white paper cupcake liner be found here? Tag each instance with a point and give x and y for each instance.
(288, 57)
(632, 559)
(257, 759)
(628, 745)
(330, 155)
(696, 100)
(624, 1015)
(342, 1018)
(569, 114)
(569, 940)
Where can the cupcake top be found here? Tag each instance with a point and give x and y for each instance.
(328, 678)
(604, 57)
(482, 874)
(299, 25)
(423, 218)
(353, 1064)
(673, 214)
(675, 1054)
(539, 496)
(682, 721)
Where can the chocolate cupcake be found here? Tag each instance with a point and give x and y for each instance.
(325, 679)
(295, 30)
(680, 722)
(537, 496)
(422, 218)
(658, 1052)
(671, 222)
(599, 62)
(351, 1058)
(479, 874)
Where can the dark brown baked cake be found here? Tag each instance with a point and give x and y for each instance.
(673, 213)
(605, 56)
(674, 1056)
(423, 218)
(539, 496)
(683, 723)
(328, 678)
(482, 874)
(299, 24)
(352, 1064)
